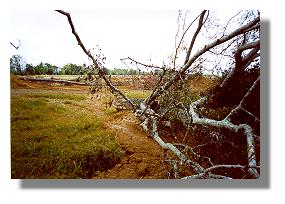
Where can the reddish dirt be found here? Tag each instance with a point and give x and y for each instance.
(143, 157)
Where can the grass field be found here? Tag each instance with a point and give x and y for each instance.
(60, 131)
(54, 135)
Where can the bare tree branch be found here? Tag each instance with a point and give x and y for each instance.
(18, 46)
(216, 42)
(87, 52)
(145, 65)
(151, 119)
(95, 63)
(181, 40)
(248, 46)
(242, 102)
(195, 36)
(247, 130)
(208, 170)
(188, 148)
(251, 114)
(168, 146)
(225, 28)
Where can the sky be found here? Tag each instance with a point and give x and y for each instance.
(272, 88)
(46, 35)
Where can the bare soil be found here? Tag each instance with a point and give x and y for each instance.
(143, 157)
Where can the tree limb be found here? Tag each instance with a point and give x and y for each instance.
(153, 129)
(247, 130)
(151, 119)
(181, 40)
(56, 81)
(16, 47)
(206, 173)
(145, 65)
(242, 102)
(206, 48)
(247, 46)
(95, 63)
(195, 36)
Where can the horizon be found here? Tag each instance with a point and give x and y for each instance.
(46, 35)
(146, 36)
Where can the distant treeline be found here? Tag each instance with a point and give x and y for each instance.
(19, 67)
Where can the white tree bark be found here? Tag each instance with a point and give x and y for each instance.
(151, 118)
(95, 62)
(247, 130)
(251, 25)
(152, 123)
(207, 172)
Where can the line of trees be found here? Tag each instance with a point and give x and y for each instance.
(19, 67)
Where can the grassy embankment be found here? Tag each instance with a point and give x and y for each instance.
(56, 136)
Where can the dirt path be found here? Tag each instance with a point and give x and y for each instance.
(143, 156)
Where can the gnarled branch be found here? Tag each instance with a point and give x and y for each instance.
(206, 48)
(95, 63)
(247, 130)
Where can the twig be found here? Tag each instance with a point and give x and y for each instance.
(16, 47)
(206, 48)
(225, 28)
(95, 62)
(181, 40)
(247, 130)
(242, 102)
(145, 65)
(249, 113)
(195, 36)
(207, 171)
(168, 146)
(187, 147)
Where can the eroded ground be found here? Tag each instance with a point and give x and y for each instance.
(143, 158)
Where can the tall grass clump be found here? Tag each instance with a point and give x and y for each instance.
(58, 96)
(48, 140)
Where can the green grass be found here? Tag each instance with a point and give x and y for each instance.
(58, 96)
(73, 103)
(110, 110)
(137, 93)
(49, 140)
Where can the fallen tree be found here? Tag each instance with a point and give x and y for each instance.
(243, 45)
(67, 82)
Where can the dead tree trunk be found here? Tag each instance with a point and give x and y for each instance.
(150, 118)
(55, 81)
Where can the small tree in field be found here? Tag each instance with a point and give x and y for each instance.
(17, 64)
(224, 119)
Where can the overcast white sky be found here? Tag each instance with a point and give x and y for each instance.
(273, 87)
(46, 35)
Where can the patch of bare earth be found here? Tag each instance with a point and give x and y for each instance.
(143, 157)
